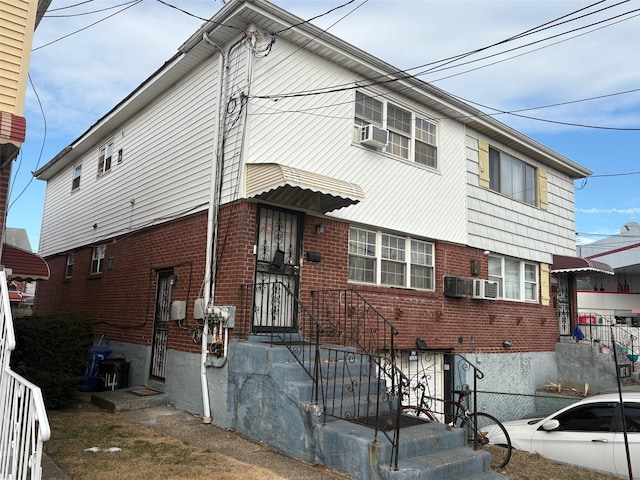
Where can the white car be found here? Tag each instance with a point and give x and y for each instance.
(588, 434)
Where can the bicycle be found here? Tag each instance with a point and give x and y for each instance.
(490, 435)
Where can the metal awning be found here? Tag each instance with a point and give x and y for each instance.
(24, 265)
(567, 264)
(285, 185)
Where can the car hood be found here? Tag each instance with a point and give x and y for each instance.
(521, 431)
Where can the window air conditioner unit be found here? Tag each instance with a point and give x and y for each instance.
(457, 287)
(485, 289)
(373, 136)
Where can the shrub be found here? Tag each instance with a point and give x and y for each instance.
(52, 352)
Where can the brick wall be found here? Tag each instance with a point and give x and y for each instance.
(122, 299)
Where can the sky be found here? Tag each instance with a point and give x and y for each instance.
(563, 72)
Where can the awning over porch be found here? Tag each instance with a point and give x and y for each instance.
(284, 185)
(567, 264)
(24, 265)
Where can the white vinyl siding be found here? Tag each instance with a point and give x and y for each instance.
(169, 149)
(319, 135)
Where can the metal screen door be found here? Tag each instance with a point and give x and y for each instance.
(161, 325)
(277, 265)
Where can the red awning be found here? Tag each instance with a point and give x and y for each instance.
(24, 265)
(13, 128)
(566, 264)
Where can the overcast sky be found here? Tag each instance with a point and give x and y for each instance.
(586, 67)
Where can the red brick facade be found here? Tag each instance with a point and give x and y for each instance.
(122, 298)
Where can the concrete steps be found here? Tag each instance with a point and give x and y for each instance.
(134, 398)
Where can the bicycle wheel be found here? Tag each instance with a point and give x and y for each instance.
(419, 412)
(492, 437)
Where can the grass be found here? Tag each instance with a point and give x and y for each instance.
(144, 453)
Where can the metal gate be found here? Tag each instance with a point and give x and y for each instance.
(277, 266)
(161, 325)
(563, 308)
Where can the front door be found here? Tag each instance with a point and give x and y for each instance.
(161, 325)
(277, 266)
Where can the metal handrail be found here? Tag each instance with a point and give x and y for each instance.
(24, 425)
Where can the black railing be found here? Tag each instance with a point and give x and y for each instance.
(350, 320)
(354, 375)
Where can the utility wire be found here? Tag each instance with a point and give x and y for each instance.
(47, 15)
(132, 4)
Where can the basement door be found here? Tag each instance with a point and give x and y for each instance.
(161, 325)
(277, 266)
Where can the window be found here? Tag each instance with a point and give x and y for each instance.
(517, 280)
(77, 172)
(69, 270)
(411, 136)
(104, 158)
(97, 259)
(587, 418)
(512, 177)
(384, 259)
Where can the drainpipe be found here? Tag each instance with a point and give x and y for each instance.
(212, 228)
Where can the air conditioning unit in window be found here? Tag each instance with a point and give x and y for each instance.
(373, 136)
(457, 287)
(484, 289)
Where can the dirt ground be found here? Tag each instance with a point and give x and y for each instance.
(163, 443)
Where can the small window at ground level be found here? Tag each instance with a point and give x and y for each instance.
(97, 260)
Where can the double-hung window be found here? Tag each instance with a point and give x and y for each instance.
(383, 259)
(412, 137)
(69, 268)
(77, 172)
(97, 259)
(512, 177)
(517, 279)
(104, 157)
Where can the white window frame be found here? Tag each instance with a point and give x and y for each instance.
(518, 280)
(68, 271)
(77, 175)
(105, 157)
(412, 136)
(385, 259)
(512, 177)
(97, 259)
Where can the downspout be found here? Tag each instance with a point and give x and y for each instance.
(212, 229)
(212, 234)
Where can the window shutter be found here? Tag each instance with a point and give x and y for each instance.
(483, 164)
(544, 284)
(543, 194)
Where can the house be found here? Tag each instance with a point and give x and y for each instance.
(270, 178)
(613, 299)
(19, 19)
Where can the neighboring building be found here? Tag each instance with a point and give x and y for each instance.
(252, 156)
(24, 269)
(613, 296)
(18, 21)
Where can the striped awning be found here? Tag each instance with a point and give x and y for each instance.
(292, 187)
(24, 265)
(567, 264)
(13, 128)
